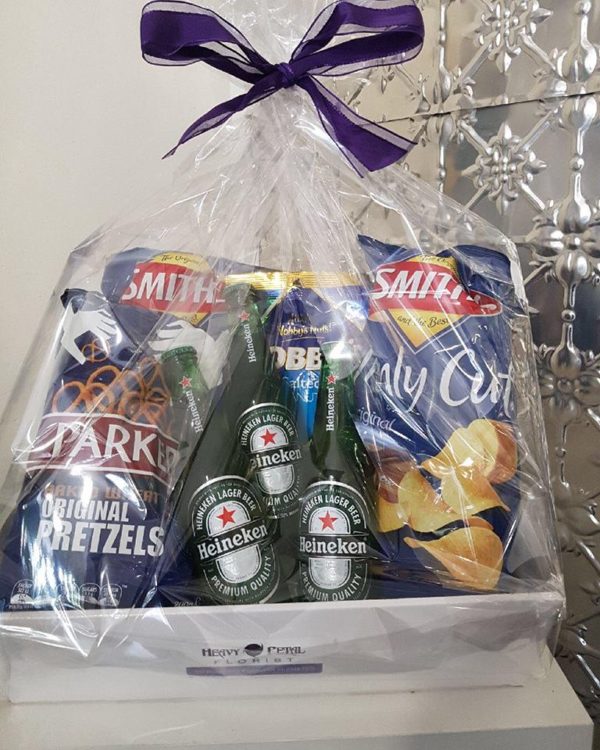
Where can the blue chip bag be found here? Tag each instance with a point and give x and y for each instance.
(293, 338)
(144, 285)
(436, 408)
(304, 311)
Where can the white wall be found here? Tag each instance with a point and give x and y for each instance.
(84, 122)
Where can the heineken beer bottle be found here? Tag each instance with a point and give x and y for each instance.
(230, 538)
(188, 391)
(337, 508)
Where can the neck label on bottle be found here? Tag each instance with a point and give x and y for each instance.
(268, 435)
(333, 543)
(233, 542)
(248, 338)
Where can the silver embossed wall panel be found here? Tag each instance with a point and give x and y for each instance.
(487, 52)
(504, 104)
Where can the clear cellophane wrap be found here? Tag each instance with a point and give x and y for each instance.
(427, 298)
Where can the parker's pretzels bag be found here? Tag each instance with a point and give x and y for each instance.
(284, 418)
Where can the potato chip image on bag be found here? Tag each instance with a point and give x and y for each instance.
(436, 409)
(471, 556)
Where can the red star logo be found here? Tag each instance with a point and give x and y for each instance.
(226, 517)
(331, 380)
(185, 382)
(327, 520)
(244, 316)
(268, 437)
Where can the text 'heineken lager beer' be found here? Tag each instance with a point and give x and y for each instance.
(267, 433)
(224, 514)
(336, 510)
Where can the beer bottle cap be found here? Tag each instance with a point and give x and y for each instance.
(239, 295)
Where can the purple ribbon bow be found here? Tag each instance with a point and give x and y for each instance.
(369, 33)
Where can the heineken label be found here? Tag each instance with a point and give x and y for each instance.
(268, 434)
(333, 543)
(181, 364)
(189, 397)
(233, 542)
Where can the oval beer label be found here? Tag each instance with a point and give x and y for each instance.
(267, 434)
(333, 543)
(233, 542)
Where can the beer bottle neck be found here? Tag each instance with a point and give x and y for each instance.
(334, 432)
(247, 355)
(249, 336)
(181, 370)
(257, 363)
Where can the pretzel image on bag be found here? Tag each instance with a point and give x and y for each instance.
(437, 410)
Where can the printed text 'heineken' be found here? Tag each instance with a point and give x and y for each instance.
(233, 541)
(267, 432)
(333, 543)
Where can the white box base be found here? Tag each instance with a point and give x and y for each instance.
(545, 714)
(154, 654)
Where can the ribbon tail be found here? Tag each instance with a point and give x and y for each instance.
(222, 112)
(366, 144)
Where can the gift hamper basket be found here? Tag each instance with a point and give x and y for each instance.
(283, 420)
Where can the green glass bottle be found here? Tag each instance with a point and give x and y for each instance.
(337, 509)
(268, 437)
(188, 390)
(222, 514)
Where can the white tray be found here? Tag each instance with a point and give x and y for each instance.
(544, 714)
(401, 644)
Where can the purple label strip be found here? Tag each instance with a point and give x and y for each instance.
(255, 669)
